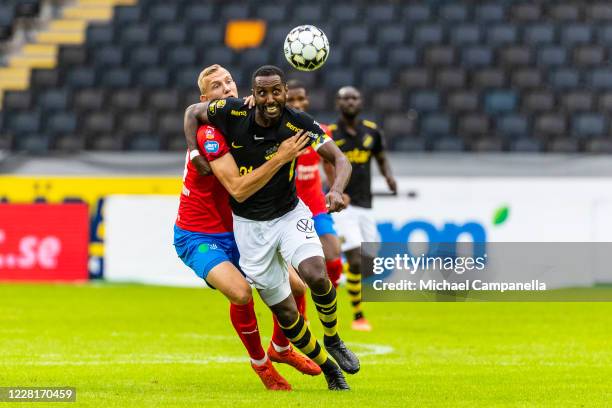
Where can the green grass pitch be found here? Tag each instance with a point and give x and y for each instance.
(138, 346)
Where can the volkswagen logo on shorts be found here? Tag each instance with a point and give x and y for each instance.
(305, 225)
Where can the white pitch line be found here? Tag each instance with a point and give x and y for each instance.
(368, 350)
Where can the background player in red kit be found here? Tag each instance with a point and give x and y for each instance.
(310, 189)
(204, 239)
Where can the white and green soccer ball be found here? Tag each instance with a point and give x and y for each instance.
(306, 48)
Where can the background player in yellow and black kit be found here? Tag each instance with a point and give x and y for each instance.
(273, 227)
(359, 140)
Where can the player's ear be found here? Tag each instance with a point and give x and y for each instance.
(202, 98)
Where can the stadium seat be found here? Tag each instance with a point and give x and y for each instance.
(563, 145)
(424, 101)
(391, 35)
(475, 57)
(163, 100)
(307, 14)
(589, 125)
(599, 11)
(391, 100)
(376, 78)
(538, 101)
(465, 34)
(126, 100)
(490, 12)
(61, 124)
(604, 35)
(338, 78)
(401, 124)
(605, 102)
(527, 78)
(564, 12)
(436, 125)
(564, 79)
(516, 55)
(127, 15)
(235, 11)
(212, 34)
(24, 123)
(551, 57)
(79, 78)
(489, 78)
(601, 79)
(473, 125)
(450, 78)
(526, 145)
(409, 144)
(366, 57)
(54, 100)
(181, 56)
(462, 101)
(453, 12)
(500, 102)
(109, 56)
(589, 56)
(171, 35)
(501, 34)
(98, 123)
(382, 13)
(344, 13)
(18, 101)
(488, 144)
(72, 55)
(273, 13)
(354, 35)
(402, 57)
(144, 56)
(416, 13)
(449, 144)
(598, 146)
(116, 78)
(99, 34)
(415, 78)
(198, 13)
(576, 34)
(168, 124)
(550, 124)
(320, 100)
(439, 56)
(539, 34)
(89, 100)
(220, 55)
(513, 126)
(162, 13)
(578, 101)
(135, 35)
(428, 34)
(525, 12)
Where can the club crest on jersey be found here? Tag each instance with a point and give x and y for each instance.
(210, 133)
(211, 146)
(305, 225)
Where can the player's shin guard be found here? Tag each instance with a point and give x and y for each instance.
(326, 307)
(300, 335)
(353, 287)
(245, 323)
(334, 270)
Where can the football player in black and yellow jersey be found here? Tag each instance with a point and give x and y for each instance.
(273, 227)
(359, 140)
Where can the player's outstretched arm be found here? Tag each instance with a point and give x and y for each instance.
(341, 174)
(385, 170)
(242, 187)
(193, 115)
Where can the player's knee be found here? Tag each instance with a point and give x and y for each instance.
(285, 314)
(313, 271)
(242, 295)
(298, 288)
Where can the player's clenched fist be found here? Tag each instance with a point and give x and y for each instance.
(334, 201)
(291, 148)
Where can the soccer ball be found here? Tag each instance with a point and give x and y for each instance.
(306, 48)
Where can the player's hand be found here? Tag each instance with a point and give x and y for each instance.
(202, 165)
(392, 184)
(291, 148)
(347, 199)
(334, 201)
(249, 101)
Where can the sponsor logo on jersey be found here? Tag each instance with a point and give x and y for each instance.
(211, 146)
(305, 225)
(368, 140)
(238, 113)
(292, 127)
(358, 156)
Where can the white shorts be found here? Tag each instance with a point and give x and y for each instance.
(355, 225)
(267, 247)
